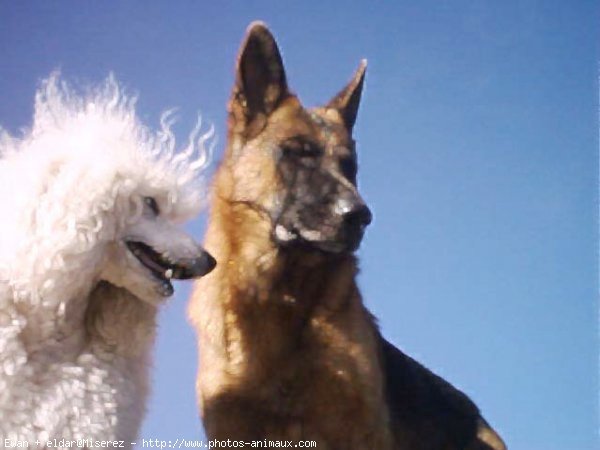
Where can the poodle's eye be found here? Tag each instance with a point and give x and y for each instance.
(151, 202)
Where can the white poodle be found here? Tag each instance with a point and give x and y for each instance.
(90, 200)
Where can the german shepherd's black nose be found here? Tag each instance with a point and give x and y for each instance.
(358, 217)
(355, 221)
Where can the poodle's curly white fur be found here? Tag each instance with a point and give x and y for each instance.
(77, 306)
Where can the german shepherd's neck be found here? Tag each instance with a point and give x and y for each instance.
(273, 291)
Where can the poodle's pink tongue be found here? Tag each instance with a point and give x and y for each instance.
(164, 268)
(150, 258)
(149, 262)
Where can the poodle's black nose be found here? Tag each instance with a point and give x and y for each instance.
(206, 263)
(185, 269)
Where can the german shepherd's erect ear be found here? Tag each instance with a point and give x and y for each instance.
(260, 82)
(348, 99)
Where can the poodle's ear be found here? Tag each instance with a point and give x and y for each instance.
(348, 99)
(260, 81)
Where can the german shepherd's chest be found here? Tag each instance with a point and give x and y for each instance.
(296, 378)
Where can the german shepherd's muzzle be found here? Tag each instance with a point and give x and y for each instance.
(320, 206)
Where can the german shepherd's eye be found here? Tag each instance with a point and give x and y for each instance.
(151, 203)
(311, 151)
(349, 168)
(301, 149)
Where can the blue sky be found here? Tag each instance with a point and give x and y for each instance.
(478, 148)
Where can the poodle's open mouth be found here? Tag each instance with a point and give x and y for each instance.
(164, 269)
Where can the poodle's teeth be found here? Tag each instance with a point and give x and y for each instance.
(168, 273)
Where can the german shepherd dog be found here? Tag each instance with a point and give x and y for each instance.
(288, 350)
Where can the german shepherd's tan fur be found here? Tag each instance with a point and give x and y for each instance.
(288, 351)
